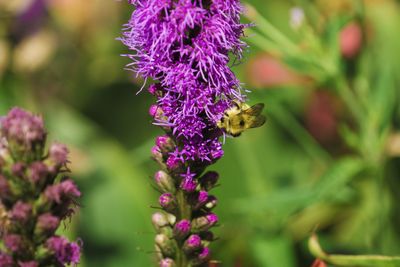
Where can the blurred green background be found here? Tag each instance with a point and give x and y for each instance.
(326, 161)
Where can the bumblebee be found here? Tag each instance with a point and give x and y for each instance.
(241, 117)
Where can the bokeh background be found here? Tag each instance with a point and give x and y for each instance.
(327, 160)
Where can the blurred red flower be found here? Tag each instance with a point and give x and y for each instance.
(319, 263)
(350, 40)
(267, 71)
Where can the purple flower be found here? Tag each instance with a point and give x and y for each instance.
(188, 183)
(18, 169)
(23, 129)
(37, 171)
(185, 46)
(6, 260)
(64, 190)
(58, 153)
(47, 223)
(65, 252)
(13, 242)
(21, 211)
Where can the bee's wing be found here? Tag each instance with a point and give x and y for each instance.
(254, 110)
(257, 121)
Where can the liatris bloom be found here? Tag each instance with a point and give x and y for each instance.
(34, 197)
(184, 45)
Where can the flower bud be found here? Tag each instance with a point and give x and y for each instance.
(203, 257)
(171, 219)
(65, 190)
(182, 229)
(37, 172)
(204, 223)
(58, 156)
(4, 187)
(159, 220)
(6, 260)
(46, 224)
(167, 202)
(165, 143)
(25, 134)
(157, 155)
(207, 236)
(209, 180)
(167, 262)
(164, 182)
(18, 169)
(14, 243)
(153, 110)
(189, 185)
(21, 212)
(174, 163)
(152, 89)
(192, 244)
(211, 202)
(166, 245)
(201, 199)
(65, 252)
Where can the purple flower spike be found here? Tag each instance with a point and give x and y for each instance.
(186, 47)
(35, 197)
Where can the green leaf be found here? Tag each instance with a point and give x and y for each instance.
(351, 260)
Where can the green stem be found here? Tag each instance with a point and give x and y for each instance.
(184, 212)
(270, 30)
(349, 98)
(306, 141)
